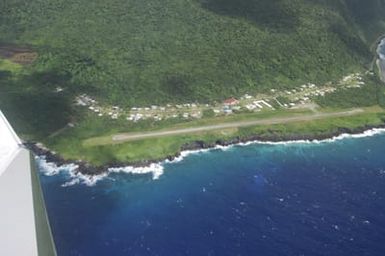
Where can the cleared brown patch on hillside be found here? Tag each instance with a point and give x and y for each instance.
(16, 54)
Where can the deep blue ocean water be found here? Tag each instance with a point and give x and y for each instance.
(295, 199)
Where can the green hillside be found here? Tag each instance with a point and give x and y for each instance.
(135, 52)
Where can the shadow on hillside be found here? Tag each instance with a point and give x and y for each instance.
(31, 103)
(351, 41)
(362, 11)
(268, 14)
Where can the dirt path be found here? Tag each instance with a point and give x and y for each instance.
(17, 54)
(138, 136)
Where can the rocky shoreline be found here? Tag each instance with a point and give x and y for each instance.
(86, 168)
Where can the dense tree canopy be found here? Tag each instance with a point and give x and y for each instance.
(142, 52)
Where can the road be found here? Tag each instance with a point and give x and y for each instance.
(277, 120)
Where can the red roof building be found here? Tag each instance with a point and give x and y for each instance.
(231, 102)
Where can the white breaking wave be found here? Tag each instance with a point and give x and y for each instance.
(157, 169)
(79, 178)
(51, 169)
(186, 153)
(75, 177)
(368, 133)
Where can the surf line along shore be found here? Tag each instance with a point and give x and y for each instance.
(87, 169)
(87, 175)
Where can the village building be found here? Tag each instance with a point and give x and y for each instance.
(231, 102)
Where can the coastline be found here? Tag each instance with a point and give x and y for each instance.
(83, 172)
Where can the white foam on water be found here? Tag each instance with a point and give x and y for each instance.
(51, 169)
(368, 133)
(186, 153)
(89, 180)
(75, 177)
(157, 169)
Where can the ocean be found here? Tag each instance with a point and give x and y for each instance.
(325, 198)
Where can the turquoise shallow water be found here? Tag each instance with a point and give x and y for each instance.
(295, 199)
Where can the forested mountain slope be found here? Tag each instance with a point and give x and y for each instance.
(136, 52)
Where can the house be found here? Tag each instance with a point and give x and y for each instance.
(231, 102)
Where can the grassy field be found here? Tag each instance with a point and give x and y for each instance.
(9, 66)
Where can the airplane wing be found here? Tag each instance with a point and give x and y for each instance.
(24, 225)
